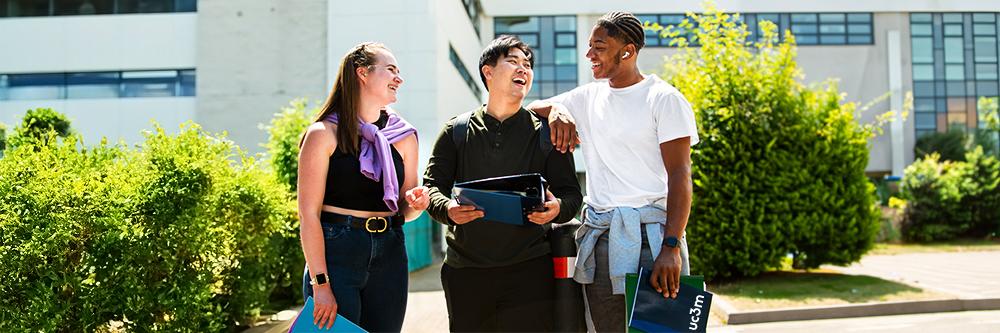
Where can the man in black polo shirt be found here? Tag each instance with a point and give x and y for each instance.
(498, 276)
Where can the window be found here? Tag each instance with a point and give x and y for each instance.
(47, 86)
(25, 8)
(92, 85)
(84, 7)
(553, 41)
(954, 64)
(464, 72)
(149, 83)
(34, 86)
(145, 6)
(808, 28)
(187, 83)
(472, 8)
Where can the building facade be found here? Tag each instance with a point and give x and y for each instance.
(114, 66)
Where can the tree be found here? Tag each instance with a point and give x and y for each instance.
(781, 167)
(38, 124)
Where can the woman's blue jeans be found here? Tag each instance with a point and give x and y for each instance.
(368, 275)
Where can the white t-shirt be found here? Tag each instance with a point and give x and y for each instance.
(621, 130)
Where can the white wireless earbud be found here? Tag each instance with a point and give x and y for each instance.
(626, 55)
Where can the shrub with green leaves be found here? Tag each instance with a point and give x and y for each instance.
(284, 134)
(951, 199)
(949, 146)
(37, 124)
(178, 234)
(3, 138)
(781, 167)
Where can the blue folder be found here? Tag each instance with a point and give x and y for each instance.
(507, 199)
(304, 322)
(652, 313)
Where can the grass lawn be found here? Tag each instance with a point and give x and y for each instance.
(796, 288)
(949, 246)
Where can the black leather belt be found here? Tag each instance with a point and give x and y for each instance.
(369, 224)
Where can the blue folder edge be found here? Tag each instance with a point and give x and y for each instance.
(304, 322)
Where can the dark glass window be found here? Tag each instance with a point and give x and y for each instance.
(145, 6)
(97, 85)
(553, 39)
(187, 82)
(954, 64)
(149, 84)
(92, 85)
(35, 86)
(472, 9)
(808, 28)
(464, 72)
(25, 8)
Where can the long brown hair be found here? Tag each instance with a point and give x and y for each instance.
(344, 98)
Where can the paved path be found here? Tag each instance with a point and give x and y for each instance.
(964, 322)
(968, 275)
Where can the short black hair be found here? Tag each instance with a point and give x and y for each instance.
(625, 27)
(500, 48)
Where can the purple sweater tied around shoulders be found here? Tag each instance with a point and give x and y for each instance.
(376, 156)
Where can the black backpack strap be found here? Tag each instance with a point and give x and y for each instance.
(459, 133)
(460, 130)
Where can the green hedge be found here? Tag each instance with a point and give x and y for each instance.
(780, 167)
(284, 134)
(951, 199)
(183, 233)
(37, 124)
(3, 138)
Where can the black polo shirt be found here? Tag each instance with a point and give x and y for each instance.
(493, 149)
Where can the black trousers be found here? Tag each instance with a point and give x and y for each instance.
(514, 298)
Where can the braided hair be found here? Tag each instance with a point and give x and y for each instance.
(625, 27)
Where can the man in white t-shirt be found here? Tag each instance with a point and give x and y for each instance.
(636, 132)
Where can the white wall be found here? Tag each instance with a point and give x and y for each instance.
(97, 42)
(562, 7)
(418, 33)
(115, 119)
(454, 95)
(253, 58)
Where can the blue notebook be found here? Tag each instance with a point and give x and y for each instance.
(304, 322)
(507, 199)
(496, 206)
(652, 313)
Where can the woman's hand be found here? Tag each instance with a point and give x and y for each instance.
(418, 198)
(325, 310)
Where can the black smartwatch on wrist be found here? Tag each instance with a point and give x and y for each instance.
(319, 280)
(671, 242)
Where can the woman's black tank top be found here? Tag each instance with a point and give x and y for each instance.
(347, 188)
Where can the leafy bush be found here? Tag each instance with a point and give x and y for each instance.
(956, 143)
(780, 167)
(950, 199)
(36, 125)
(284, 134)
(949, 146)
(3, 138)
(179, 234)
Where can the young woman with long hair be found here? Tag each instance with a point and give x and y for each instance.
(356, 161)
